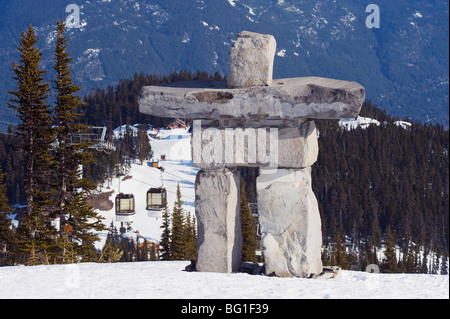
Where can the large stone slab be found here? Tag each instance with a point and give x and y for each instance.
(251, 60)
(219, 237)
(286, 147)
(290, 223)
(285, 99)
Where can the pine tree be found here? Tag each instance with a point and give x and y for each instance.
(178, 243)
(248, 228)
(36, 138)
(144, 251)
(339, 255)
(153, 256)
(165, 244)
(6, 233)
(409, 261)
(191, 238)
(389, 265)
(424, 264)
(111, 253)
(73, 210)
(325, 260)
(125, 250)
(444, 267)
(143, 148)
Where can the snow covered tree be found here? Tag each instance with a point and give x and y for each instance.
(35, 230)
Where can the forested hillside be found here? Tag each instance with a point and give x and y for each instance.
(369, 180)
(403, 65)
(370, 183)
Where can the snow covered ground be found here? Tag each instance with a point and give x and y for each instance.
(167, 280)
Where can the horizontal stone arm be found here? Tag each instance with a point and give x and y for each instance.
(285, 99)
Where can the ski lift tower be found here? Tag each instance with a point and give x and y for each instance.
(96, 137)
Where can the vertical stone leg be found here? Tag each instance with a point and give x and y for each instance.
(219, 238)
(290, 223)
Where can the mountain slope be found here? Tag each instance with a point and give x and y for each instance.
(403, 65)
(178, 168)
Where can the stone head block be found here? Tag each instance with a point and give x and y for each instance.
(266, 146)
(251, 60)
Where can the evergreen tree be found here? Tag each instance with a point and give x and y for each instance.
(444, 266)
(325, 259)
(36, 138)
(191, 238)
(111, 253)
(424, 263)
(248, 228)
(143, 148)
(339, 256)
(73, 209)
(144, 251)
(6, 233)
(389, 264)
(165, 244)
(153, 256)
(125, 250)
(178, 243)
(409, 261)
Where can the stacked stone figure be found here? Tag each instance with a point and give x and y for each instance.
(253, 120)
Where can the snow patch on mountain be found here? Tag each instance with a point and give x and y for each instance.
(232, 2)
(212, 27)
(281, 53)
(362, 122)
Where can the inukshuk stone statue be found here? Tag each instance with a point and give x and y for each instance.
(253, 120)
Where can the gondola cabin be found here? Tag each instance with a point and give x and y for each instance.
(156, 198)
(125, 207)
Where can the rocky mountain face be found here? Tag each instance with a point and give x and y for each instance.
(403, 64)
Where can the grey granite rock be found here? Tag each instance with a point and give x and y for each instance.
(289, 222)
(255, 121)
(219, 238)
(284, 147)
(251, 60)
(285, 99)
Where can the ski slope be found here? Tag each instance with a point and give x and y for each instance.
(167, 280)
(178, 168)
